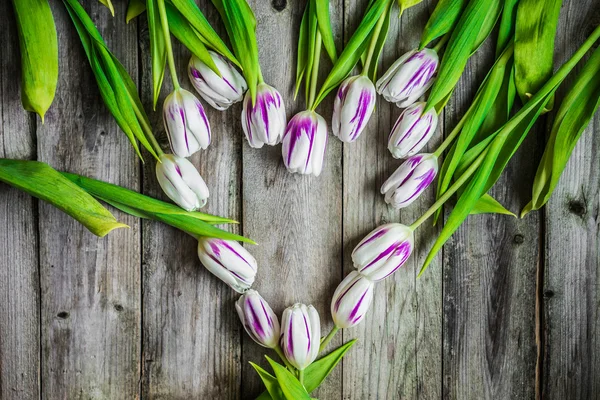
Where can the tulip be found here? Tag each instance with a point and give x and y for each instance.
(409, 77)
(412, 131)
(258, 319)
(411, 178)
(186, 123)
(301, 335)
(263, 122)
(383, 251)
(351, 300)
(218, 91)
(229, 262)
(180, 180)
(304, 143)
(353, 106)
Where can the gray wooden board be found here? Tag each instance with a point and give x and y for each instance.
(136, 315)
(19, 277)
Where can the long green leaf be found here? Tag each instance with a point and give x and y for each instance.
(290, 386)
(354, 49)
(460, 46)
(39, 54)
(381, 39)
(506, 29)
(574, 114)
(491, 18)
(158, 49)
(273, 389)
(134, 9)
(324, 21)
(488, 205)
(192, 13)
(442, 20)
(42, 181)
(534, 44)
(108, 4)
(137, 200)
(187, 35)
(303, 50)
(406, 4)
(313, 28)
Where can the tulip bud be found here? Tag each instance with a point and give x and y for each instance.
(411, 178)
(412, 131)
(300, 335)
(228, 261)
(258, 319)
(218, 91)
(383, 251)
(409, 77)
(304, 143)
(353, 107)
(186, 123)
(351, 300)
(263, 122)
(180, 180)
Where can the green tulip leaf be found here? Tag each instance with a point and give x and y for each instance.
(324, 22)
(574, 114)
(290, 386)
(442, 20)
(158, 49)
(273, 389)
(108, 4)
(534, 44)
(506, 29)
(488, 205)
(39, 54)
(304, 39)
(134, 9)
(42, 181)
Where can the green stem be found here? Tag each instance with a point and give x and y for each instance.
(301, 377)
(166, 32)
(374, 39)
(260, 76)
(461, 181)
(328, 338)
(442, 42)
(450, 138)
(282, 358)
(315, 72)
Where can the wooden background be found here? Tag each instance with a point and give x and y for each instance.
(510, 310)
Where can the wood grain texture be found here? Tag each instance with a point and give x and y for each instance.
(398, 354)
(489, 278)
(191, 338)
(19, 277)
(571, 289)
(295, 219)
(90, 287)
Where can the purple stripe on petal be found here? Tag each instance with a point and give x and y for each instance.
(341, 296)
(375, 236)
(258, 328)
(426, 180)
(228, 247)
(307, 333)
(381, 255)
(290, 342)
(353, 317)
(403, 251)
(267, 315)
(364, 102)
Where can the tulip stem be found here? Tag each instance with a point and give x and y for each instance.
(442, 42)
(450, 138)
(282, 358)
(447, 194)
(146, 128)
(314, 72)
(169, 49)
(373, 43)
(328, 338)
(301, 376)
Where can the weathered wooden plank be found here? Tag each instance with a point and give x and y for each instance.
(571, 290)
(191, 346)
(19, 278)
(295, 219)
(398, 354)
(489, 279)
(90, 287)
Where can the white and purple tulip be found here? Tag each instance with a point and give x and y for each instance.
(383, 251)
(351, 300)
(304, 143)
(353, 106)
(264, 122)
(228, 261)
(409, 77)
(412, 131)
(181, 181)
(218, 91)
(411, 179)
(258, 319)
(300, 335)
(186, 123)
